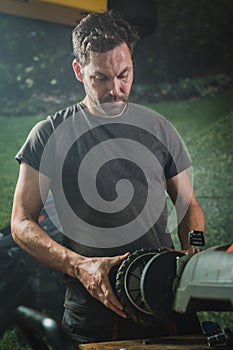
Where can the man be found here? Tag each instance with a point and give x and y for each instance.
(99, 236)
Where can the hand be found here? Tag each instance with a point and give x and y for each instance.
(93, 274)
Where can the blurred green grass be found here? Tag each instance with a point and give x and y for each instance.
(205, 125)
(13, 131)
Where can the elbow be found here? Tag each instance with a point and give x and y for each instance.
(16, 229)
(19, 228)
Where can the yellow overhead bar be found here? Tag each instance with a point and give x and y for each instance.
(87, 5)
(60, 11)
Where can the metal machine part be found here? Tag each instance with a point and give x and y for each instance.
(158, 286)
(206, 282)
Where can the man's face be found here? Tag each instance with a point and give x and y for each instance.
(107, 80)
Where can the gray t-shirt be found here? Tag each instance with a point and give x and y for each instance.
(108, 176)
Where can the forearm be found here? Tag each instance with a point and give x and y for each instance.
(189, 213)
(34, 240)
(193, 220)
(92, 272)
(30, 194)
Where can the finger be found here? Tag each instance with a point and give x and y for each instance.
(167, 249)
(112, 307)
(104, 293)
(116, 260)
(111, 300)
(106, 296)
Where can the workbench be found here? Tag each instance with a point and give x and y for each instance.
(166, 343)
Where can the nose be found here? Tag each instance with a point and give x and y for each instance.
(115, 88)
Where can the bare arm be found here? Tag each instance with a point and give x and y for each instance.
(27, 204)
(189, 213)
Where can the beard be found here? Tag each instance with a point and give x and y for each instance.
(112, 105)
(109, 105)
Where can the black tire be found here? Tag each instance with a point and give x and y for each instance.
(128, 286)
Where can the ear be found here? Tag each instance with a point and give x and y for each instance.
(77, 70)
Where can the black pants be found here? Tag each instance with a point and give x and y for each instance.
(87, 320)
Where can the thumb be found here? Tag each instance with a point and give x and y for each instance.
(118, 259)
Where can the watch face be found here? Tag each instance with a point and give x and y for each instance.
(196, 238)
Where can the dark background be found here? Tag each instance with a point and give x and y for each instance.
(189, 54)
(183, 70)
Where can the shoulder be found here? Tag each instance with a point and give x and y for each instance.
(148, 115)
(152, 121)
(47, 126)
(62, 115)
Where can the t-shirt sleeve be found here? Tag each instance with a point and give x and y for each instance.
(32, 150)
(178, 158)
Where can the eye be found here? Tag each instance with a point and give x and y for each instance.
(123, 76)
(100, 77)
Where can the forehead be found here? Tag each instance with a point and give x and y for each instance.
(111, 61)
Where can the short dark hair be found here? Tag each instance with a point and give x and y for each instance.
(101, 32)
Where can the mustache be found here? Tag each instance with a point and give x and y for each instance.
(115, 98)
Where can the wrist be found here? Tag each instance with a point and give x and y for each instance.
(74, 261)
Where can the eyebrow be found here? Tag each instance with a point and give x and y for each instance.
(97, 72)
(126, 69)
